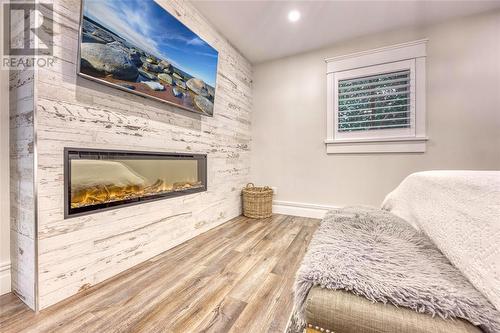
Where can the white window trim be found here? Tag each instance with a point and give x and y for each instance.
(407, 55)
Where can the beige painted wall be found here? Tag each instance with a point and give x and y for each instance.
(463, 116)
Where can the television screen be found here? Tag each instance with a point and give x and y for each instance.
(137, 46)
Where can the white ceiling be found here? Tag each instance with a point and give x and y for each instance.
(261, 30)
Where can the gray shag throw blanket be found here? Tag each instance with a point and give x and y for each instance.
(359, 249)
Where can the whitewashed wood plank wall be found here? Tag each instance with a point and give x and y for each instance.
(22, 202)
(73, 112)
(22, 175)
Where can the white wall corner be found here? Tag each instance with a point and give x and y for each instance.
(4, 278)
(301, 209)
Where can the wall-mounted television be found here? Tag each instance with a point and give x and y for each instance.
(139, 47)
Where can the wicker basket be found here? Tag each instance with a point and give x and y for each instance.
(257, 201)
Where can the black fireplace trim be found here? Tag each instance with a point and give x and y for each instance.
(123, 154)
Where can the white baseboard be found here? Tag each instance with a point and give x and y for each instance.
(301, 209)
(4, 277)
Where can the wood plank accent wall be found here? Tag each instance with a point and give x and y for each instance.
(76, 253)
(22, 174)
(22, 202)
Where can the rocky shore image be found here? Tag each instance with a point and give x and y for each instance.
(138, 46)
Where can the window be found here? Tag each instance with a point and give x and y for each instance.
(376, 100)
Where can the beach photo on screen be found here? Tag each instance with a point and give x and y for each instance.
(136, 45)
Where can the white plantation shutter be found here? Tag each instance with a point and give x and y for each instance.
(374, 102)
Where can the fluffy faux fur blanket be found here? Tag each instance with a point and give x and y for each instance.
(360, 249)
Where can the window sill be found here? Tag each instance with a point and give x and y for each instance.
(369, 146)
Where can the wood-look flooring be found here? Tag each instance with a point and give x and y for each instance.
(237, 277)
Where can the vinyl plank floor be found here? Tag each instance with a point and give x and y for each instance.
(237, 277)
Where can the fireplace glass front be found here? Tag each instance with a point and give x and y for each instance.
(96, 180)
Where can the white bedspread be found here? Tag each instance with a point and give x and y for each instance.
(460, 212)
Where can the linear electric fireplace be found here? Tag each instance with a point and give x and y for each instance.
(97, 180)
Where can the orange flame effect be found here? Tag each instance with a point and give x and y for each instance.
(99, 194)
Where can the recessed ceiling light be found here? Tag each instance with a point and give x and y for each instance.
(294, 15)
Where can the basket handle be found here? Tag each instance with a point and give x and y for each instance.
(250, 185)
